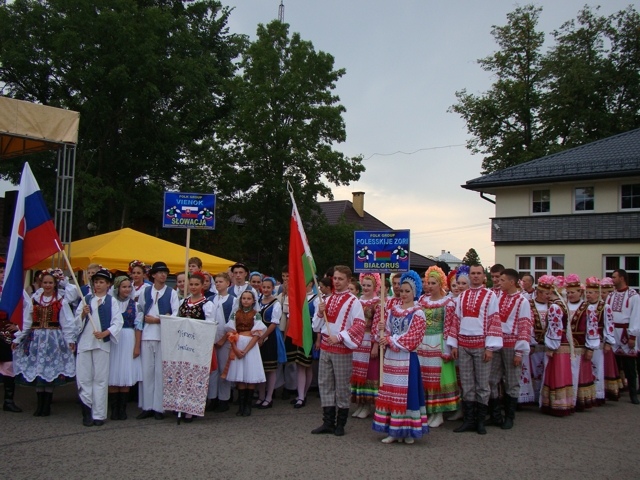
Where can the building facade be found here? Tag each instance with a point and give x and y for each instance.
(576, 211)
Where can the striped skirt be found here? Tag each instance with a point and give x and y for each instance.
(439, 378)
(366, 374)
(612, 381)
(412, 422)
(556, 397)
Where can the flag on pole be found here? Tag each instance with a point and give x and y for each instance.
(301, 271)
(33, 238)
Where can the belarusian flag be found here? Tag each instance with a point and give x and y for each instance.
(301, 271)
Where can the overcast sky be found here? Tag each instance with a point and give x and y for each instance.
(404, 62)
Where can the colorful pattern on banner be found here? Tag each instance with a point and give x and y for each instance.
(381, 252)
(187, 346)
(189, 210)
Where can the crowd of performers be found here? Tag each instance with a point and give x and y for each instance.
(447, 343)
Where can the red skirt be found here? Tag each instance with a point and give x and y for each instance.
(612, 381)
(556, 397)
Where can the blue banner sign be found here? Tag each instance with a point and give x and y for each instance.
(381, 252)
(189, 210)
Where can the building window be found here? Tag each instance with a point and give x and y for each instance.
(541, 201)
(584, 199)
(630, 196)
(539, 265)
(630, 263)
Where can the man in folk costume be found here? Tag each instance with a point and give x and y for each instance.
(515, 315)
(93, 347)
(342, 332)
(157, 300)
(625, 305)
(599, 309)
(527, 286)
(496, 275)
(395, 287)
(474, 335)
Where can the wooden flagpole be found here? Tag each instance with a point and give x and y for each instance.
(383, 288)
(75, 281)
(186, 266)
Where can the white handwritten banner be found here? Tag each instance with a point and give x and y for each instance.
(187, 346)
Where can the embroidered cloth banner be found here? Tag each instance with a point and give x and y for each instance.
(187, 346)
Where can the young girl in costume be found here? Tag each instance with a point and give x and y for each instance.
(125, 369)
(400, 408)
(43, 350)
(138, 272)
(304, 363)
(255, 280)
(245, 364)
(198, 307)
(366, 363)
(270, 312)
(181, 279)
(207, 285)
(436, 365)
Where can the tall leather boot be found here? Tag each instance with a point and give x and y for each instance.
(9, 391)
(343, 415)
(46, 405)
(87, 418)
(495, 414)
(241, 400)
(328, 421)
(122, 405)
(113, 403)
(469, 419)
(248, 400)
(632, 378)
(481, 415)
(38, 412)
(510, 412)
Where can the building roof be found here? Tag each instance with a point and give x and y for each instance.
(448, 258)
(610, 157)
(334, 210)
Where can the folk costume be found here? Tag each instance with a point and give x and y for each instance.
(365, 375)
(124, 370)
(625, 306)
(300, 358)
(557, 396)
(533, 363)
(92, 363)
(154, 302)
(515, 316)
(270, 312)
(346, 318)
(400, 405)
(287, 373)
(248, 369)
(304, 363)
(613, 382)
(474, 328)
(223, 307)
(6, 362)
(436, 364)
(42, 358)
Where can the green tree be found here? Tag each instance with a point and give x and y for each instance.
(148, 78)
(503, 121)
(285, 123)
(471, 257)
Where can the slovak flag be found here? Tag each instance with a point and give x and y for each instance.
(33, 239)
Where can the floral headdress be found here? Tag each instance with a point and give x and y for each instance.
(414, 281)
(437, 273)
(138, 263)
(546, 282)
(451, 277)
(463, 271)
(55, 273)
(572, 281)
(607, 283)
(373, 276)
(593, 283)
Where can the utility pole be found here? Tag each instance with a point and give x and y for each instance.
(281, 12)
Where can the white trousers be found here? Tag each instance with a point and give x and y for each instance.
(150, 395)
(223, 387)
(92, 377)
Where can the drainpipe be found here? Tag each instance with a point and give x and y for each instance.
(486, 198)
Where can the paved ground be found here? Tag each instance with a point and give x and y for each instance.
(276, 444)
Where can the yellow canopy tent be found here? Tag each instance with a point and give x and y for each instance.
(114, 250)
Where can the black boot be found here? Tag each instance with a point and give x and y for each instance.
(87, 419)
(343, 414)
(328, 421)
(248, 400)
(38, 412)
(113, 403)
(469, 419)
(223, 406)
(46, 405)
(495, 414)
(510, 412)
(241, 400)
(630, 372)
(481, 415)
(213, 404)
(122, 405)
(9, 391)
